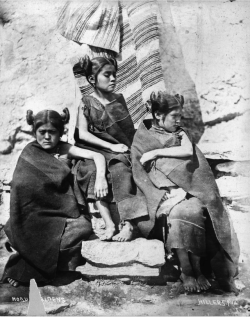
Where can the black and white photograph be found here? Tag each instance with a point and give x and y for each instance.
(124, 157)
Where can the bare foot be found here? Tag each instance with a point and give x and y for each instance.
(200, 278)
(203, 282)
(189, 283)
(13, 282)
(109, 233)
(126, 233)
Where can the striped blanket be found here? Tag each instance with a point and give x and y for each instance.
(126, 30)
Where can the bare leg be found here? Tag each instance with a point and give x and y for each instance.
(127, 232)
(187, 276)
(200, 278)
(13, 282)
(110, 230)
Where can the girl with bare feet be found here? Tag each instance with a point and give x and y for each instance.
(46, 226)
(105, 126)
(174, 170)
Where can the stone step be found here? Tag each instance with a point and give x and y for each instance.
(139, 257)
(146, 252)
(135, 269)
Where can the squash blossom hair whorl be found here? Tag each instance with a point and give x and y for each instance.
(86, 67)
(164, 103)
(48, 116)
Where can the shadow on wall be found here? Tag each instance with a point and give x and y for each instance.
(176, 76)
(4, 16)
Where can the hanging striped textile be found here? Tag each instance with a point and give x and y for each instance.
(91, 22)
(131, 34)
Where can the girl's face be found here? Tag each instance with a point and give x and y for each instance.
(47, 136)
(106, 79)
(171, 121)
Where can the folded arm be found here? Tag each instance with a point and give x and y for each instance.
(184, 150)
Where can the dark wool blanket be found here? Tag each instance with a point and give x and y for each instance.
(194, 175)
(41, 201)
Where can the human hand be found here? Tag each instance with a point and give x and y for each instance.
(101, 187)
(119, 148)
(148, 156)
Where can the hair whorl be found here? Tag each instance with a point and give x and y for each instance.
(152, 96)
(48, 116)
(65, 115)
(113, 61)
(83, 67)
(180, 99)
(30, 117)
(86, 67)
(164, 103)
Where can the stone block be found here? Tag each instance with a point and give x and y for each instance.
(146, 252)
(139, 257)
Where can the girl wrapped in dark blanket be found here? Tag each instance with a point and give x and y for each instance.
(46, 227)
(175, 179)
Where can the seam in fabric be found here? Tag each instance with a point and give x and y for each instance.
(117, 121)
(29, 162)
(188, 222)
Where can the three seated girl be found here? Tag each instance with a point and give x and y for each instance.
(161, 153)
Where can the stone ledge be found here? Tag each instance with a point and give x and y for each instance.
(234, 188)
(135, 269)
(234, 168)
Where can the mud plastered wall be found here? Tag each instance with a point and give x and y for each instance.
(214, 39)
(205, 57)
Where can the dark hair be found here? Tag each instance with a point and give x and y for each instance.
(48, 116)
(86, 67)
(164, 103)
